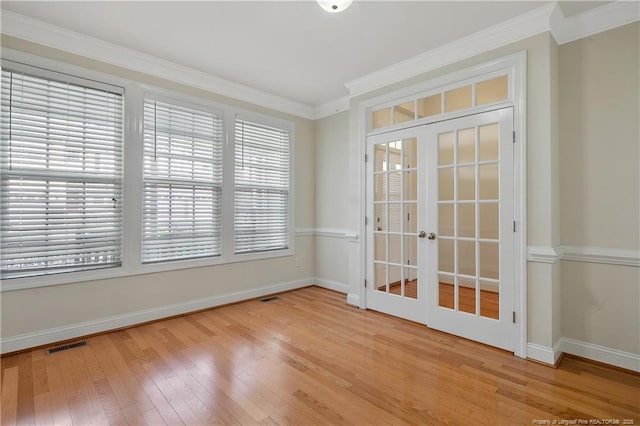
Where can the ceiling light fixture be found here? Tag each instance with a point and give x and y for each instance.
(334, 6)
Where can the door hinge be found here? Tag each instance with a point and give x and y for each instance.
(514, 316)
(366, 158)
(365, 283)
(366, 220)
(514, 137)
(514, 226)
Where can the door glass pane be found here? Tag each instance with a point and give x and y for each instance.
(410, 250)
(445, 219)
(394, 186)
(411, 210)
(394, 248)
(379, 187)
(380, 276)
(395, 217)
(381, 118)
(410, 186)
(467, 146)
(467, 295)
(404, 112)
(445, 255)
(445, 184)
(410, 151)
(489, 299)
(380, 155)
(380, 247)
(488, 176)
(467, 220)
(446, 293)
(429, 106)
(381, 217)
(492, 90)
(445, 149)
(467, 258)
(411, 283)
(457, 99)
(489, 220)
(489, 260)
(467, 183)
(395, 280)
(488, 142)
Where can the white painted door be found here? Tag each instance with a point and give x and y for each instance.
(469, 225)
(395, 282)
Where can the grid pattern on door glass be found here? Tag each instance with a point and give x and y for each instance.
(468, 220)
(395, 218)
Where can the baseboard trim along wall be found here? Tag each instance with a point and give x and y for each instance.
(331, 285)
(72, 331)
(548, 355)
(602, 354)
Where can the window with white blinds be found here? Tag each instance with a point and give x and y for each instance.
(61, 170)
(182, 213)
(261, 195)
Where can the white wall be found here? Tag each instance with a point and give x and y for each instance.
(41, 315)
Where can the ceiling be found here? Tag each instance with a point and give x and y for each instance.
(292, 49)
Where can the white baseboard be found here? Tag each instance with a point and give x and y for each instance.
(57, 334)
(603, 354)
(544, 354)
(353, 300)
(331, 285)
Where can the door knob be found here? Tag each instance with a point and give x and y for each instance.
(431, 236)
(422, 234)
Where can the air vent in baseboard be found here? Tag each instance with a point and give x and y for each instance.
(269, 299)
(65, 347)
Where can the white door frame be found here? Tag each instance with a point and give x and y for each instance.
(516, 66)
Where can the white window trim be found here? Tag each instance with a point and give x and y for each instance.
(134, 94)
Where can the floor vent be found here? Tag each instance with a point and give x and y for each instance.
(269, 299)
(65, 347)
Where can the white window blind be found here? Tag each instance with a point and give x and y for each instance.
(182, 182)
(261, 219)
(61, 169)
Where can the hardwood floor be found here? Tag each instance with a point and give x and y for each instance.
(305, 358)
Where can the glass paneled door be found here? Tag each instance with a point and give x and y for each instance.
(395, 251)
(469, 224)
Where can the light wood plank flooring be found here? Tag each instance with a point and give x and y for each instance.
(305, 358)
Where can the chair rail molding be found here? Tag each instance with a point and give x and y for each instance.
(603, 255)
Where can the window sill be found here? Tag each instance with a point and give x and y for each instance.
(14, 284)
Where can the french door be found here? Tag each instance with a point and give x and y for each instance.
(440, 230)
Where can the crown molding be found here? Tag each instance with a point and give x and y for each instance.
(545, 18)
(332, 107)
(33, 30)
(518, 28)
(593, 21)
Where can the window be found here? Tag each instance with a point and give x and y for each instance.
(182, 212)
(61, 170)
(98, 181)
(261, 196)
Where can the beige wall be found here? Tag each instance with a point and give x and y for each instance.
(40, 309)
(600, 185)
(331, 154)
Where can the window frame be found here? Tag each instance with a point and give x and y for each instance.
(134, 93)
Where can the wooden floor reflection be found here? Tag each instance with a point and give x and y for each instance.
(489, 300)
(304, 358)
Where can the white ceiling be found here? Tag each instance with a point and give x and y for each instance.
(292, 49)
